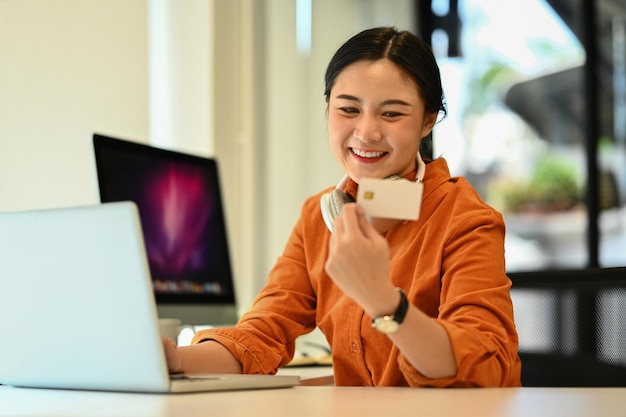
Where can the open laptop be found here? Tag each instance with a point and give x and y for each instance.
(77, 309)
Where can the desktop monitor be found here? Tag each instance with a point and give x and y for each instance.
(181, 211)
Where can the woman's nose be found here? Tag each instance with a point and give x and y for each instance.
(367, 129)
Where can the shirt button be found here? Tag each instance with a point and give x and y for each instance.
(355, 348)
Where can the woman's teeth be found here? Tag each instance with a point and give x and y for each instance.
(368, 154)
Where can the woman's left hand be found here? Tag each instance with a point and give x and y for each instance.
(358, 261)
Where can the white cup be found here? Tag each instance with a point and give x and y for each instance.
(172, 328)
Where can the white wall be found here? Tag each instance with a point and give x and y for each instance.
(68, 68)
(180, 56)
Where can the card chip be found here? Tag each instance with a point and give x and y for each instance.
(368, 195)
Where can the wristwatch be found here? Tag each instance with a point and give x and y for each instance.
(391, 324)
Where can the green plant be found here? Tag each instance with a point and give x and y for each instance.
(552, 187)
(553, 183)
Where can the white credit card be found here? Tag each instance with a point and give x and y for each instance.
(390, 199)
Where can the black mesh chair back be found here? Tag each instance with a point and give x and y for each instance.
(572, 327)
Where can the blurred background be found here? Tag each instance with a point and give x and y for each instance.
(536, 92)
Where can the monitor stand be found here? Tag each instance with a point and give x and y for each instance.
(213, 315)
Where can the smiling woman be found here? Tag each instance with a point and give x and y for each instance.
(376, 120)
(421, 302)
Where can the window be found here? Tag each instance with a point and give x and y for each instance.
(522, 112)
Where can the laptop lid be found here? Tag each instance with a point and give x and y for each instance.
(77, 309)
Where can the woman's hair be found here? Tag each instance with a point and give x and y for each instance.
(409, 52)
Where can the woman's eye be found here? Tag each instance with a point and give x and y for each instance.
(391, 114)
(350, 110)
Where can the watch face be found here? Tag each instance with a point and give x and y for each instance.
(386, 324)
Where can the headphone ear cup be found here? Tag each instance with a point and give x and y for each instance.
(337, 199)
(331, 205)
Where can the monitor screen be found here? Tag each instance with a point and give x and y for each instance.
(180, 205)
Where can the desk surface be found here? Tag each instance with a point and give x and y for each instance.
(322, 402)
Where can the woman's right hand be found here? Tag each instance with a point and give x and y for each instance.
(174, 362)
(208, 357)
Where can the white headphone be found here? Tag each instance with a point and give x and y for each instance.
(332, 203)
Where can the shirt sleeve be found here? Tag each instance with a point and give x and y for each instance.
(264, 338)
(475, 307)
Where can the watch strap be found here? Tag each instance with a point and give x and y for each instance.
(403, 307)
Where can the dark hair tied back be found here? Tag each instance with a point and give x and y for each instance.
(408, 51)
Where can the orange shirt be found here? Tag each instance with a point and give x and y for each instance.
(451, 264)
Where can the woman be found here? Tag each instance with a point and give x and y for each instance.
(402, 303)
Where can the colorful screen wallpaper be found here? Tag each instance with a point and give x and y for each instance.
(181, 214)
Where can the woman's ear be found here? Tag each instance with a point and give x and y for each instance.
(429, 122)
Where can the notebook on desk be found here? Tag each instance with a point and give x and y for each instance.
(77, 310)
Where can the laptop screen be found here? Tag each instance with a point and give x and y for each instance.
(180, 206)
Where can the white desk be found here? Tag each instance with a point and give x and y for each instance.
(323, 402)
(310, 375)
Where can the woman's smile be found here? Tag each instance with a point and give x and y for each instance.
(367, 156)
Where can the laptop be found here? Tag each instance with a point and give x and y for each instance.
(77, 308)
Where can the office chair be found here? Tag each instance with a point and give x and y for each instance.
(571, 326)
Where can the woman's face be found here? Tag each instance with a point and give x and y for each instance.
(376, 119)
